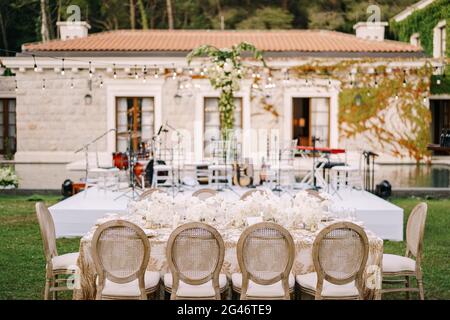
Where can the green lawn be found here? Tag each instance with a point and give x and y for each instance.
(22, 261)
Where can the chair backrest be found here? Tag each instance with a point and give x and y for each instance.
(121, 251)
(148, 193)
(195, 253)
(205, 193)
(47, 227)
(340, 253)
(250, 192)
(265, 254)
(415, 229)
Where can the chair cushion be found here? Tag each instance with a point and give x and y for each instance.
(196, 291)
(394, 263)
(309, 281)
(131, 289)
(66, 261)
(258, 290)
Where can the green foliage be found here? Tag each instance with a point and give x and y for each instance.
(423, 21)
(188, 14)
(224, 74)
(440, 84)
(367, 115)
(363, 105)
(268, 18)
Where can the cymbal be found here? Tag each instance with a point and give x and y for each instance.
(128, 135)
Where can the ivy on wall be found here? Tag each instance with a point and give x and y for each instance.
(366, 100)
(423, 21)
(440, 84)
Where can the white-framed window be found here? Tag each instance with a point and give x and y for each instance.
(212, 127)
(137, 115)
(440, 40)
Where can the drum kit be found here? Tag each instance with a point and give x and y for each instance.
(140, 163)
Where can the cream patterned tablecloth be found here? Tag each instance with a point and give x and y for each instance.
(303, 256)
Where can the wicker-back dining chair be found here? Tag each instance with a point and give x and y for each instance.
(340, 253)
(266, 253)
(406, 266)
(58, 267)
(121, 251)
(195, 253)
(204, 193)
(148, 193)
(249, 193)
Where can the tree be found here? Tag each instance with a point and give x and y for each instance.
(169, 14)
(143, 14)
(132, 15)
(45, 34)
(268, 18)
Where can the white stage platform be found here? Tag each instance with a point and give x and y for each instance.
(76, 215)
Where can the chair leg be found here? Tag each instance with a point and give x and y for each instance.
(421, 290)
(407, 285)
(47, 289)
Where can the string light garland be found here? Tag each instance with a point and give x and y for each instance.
(175, 74)
(90, 69)
(35, 68)
(62, 69)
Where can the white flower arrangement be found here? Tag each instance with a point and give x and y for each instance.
(160, 210)
(8, 178)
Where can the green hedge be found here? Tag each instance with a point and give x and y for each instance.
(423, 21)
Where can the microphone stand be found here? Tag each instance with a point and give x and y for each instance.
(314, 139)
(85, 148)
(179, 139)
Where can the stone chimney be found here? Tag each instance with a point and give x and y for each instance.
(73, 30)
(370, 30)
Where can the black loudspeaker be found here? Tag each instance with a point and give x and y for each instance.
(384, 189)
(66, 188)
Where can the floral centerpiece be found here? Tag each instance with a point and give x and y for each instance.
(224, 74)
(163, 211)
(8, 178)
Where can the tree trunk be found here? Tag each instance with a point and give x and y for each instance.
(132, 15)
(169, 14)
(284, 4)
(3, 31)
(45, 35)
(143, 14)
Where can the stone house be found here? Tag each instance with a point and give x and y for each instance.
(356, 92)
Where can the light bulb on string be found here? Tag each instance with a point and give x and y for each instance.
(329, 82)
(156, 75)
(136, 76)
(90, 69)
(62, 69)
(71, 83)
(101, 82)
(115, 72)
(43, 84)
(17, 88)
(144, 79)
(35, 68)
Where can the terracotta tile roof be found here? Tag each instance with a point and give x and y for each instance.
(186, 40)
